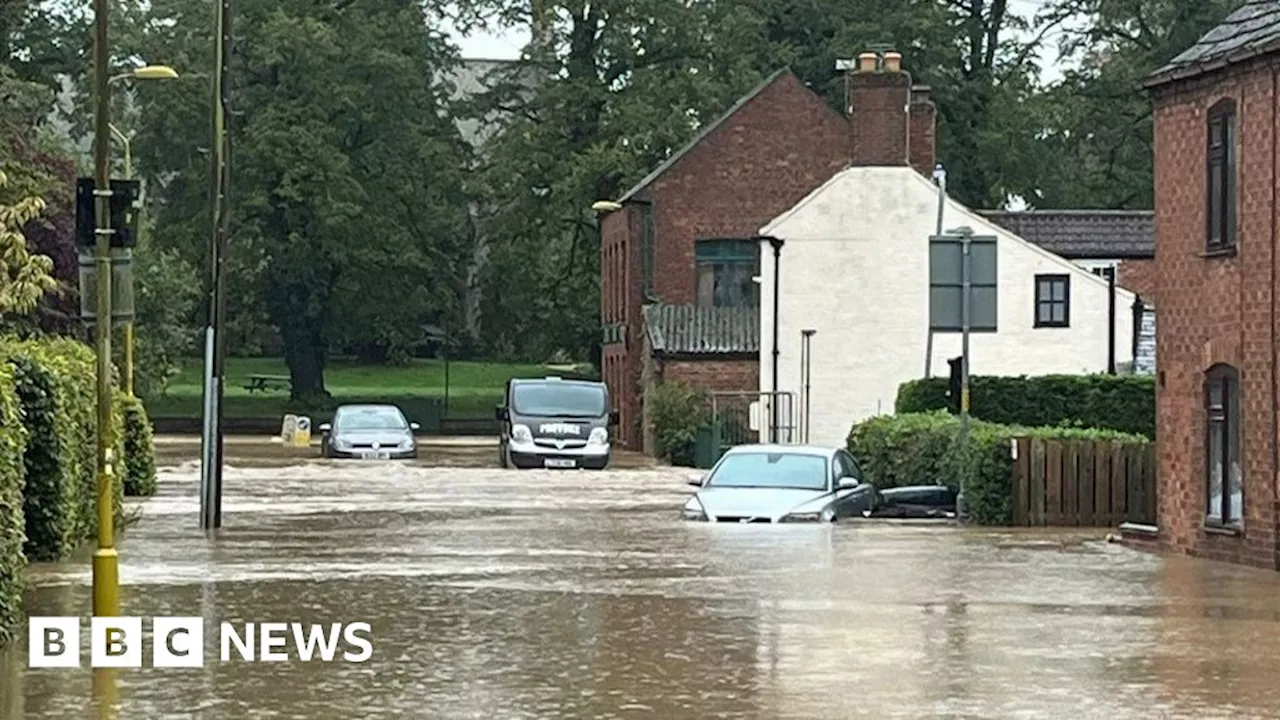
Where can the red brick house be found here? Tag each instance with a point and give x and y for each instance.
(1216, 118)
(679, 257)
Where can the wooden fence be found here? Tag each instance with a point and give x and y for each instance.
(1083, 483)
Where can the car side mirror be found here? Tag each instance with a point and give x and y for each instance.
(847, 483)
(615, 417)
(695, 479)
(500, 413)
(415, 427)
(325, 427)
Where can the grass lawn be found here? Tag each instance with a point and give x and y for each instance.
(474, 387)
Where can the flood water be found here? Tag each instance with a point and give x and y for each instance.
(540, 594)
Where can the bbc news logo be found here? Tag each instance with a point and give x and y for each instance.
(178, 642)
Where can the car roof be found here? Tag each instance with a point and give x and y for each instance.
(819, 450)
(549, 380)
(366, 407)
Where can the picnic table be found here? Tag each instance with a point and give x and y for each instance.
(263, 383)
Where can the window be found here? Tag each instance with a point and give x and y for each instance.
(1106, 272)
(648, 248)
(848, 466)
(1221, 182)
(1224, 496)
(725, 272)
(1053, 301)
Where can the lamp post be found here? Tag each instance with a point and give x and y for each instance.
(106, 561)
(146, 72)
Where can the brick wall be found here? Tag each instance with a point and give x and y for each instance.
(1140, 277)
(740, 375)
(1215, 310)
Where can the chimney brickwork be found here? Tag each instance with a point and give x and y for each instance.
(893, 121)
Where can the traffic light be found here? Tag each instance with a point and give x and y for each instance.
(954, 386)
(124, 212)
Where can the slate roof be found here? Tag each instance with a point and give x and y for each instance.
(1082, 234)
(1252, 30)
(702, 134)
(689, 329)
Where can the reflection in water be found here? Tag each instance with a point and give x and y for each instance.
(582, 595)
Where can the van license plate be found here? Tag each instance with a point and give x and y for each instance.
(559, 463)
(380, 455)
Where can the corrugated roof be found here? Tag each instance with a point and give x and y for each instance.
(1252, 30)
(699, 330)
(702, 134)
(1082, 234)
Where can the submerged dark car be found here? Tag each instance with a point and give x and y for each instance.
(781, 484)
(369, 432)
(916, 502)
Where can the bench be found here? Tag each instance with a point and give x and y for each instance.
(263, 383)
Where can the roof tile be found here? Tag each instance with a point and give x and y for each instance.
(1252, 29)
(1082, 234)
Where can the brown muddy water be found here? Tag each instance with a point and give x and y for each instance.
(540, 594)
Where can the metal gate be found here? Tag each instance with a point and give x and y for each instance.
(740, 418)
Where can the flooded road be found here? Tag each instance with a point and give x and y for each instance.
(541, 594)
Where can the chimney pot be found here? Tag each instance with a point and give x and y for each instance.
(893, 62)
(867, 62)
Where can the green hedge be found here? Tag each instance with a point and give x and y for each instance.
(677, 412)
(1126, 403)
(57, 391)
(139, 449)
(924, 449)
(12, 531)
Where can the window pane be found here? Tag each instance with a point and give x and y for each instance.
(1215, 395)
(1215, 203)
(1059, 313)
(1213, 508)
(1059, 291)
(1042, 313)
(706, 285)
(1042, 290)
(1235, 487)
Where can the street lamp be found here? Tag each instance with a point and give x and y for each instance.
(605, 206)
(146, 72)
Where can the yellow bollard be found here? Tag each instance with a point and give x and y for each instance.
(106, 695)
(302, 435)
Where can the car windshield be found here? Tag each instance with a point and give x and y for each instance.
(370, 419)
(771, 470)
(558, 399)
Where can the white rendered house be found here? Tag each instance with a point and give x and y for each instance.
(854, 266)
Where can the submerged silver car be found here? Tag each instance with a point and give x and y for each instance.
(369, 432)
(781, 483)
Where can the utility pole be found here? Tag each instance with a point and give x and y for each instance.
(106, 561)
(216, 350)
(966, 279)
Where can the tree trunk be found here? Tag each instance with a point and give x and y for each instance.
(305, 353)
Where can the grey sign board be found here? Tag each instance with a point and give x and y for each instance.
(946, 283)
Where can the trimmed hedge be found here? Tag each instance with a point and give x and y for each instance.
(12, 532)
(56, 389)
(139, 449)
(924, 449)
(1126, 403)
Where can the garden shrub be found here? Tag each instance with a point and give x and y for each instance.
(908, 449)
(925, 449)
(139, 465)
(1126, 403)
(57, 392)
(12, 528)
(678, 412)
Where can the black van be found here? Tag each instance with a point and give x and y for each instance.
(555, 423)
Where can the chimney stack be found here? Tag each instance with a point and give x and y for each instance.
(892, 119)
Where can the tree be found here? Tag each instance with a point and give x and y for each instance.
(24, 276)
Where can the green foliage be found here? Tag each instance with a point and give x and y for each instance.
(925, 449)
(1117, 402)
(57, 392)
(139, 463)
(678, 412)
(168, 290)
(13, 437)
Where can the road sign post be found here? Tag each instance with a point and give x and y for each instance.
(962, 298)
